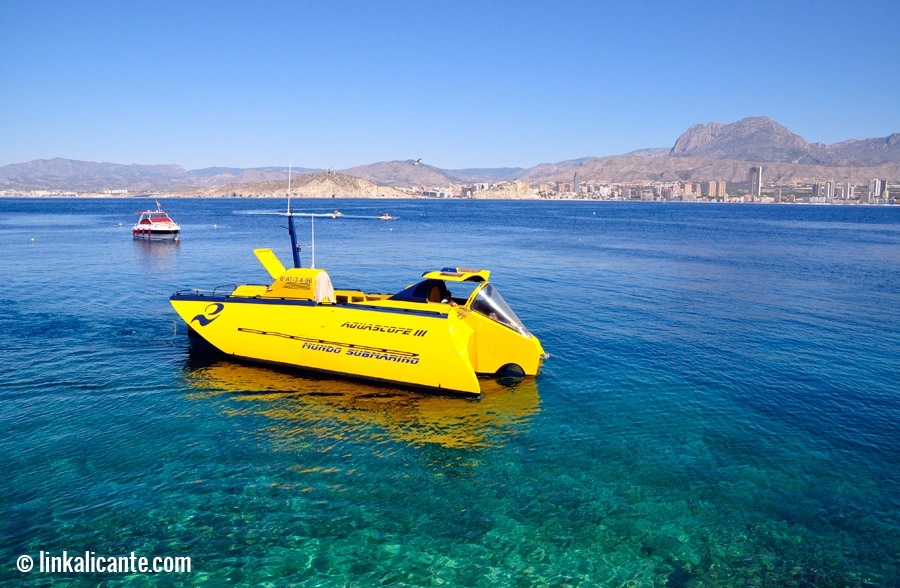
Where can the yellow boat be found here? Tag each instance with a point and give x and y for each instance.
(420, 337)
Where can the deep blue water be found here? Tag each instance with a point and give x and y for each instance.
(721, 406)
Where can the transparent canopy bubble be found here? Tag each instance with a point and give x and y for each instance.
(489, 303)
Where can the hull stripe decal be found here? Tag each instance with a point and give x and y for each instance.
(323, 342)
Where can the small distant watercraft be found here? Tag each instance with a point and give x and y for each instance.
(420, 337)
(155, 224)
(385, 216)
(337, 213)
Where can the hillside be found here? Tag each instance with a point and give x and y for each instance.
(762, 139)
(870, 151)
(400, 173)
(314, 185)
(514, 190)
(86, 176)
(544, 170)
(408, 173)
(67, 174)
(215, 177)
(639, 169)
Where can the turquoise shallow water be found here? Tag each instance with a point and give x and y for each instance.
(720, 407)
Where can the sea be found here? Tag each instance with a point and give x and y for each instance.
(720, 406)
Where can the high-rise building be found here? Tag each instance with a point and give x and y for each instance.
(877, 189)
(717, 189)
(577, 183)
(848, 191)
(756, 181)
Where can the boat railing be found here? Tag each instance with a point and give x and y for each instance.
(352, 302)
(228, 291)
(223, 290)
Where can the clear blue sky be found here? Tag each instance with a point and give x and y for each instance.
(459, 84)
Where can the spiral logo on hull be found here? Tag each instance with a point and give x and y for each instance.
(209, 315)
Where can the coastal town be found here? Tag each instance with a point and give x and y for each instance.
(753, 190)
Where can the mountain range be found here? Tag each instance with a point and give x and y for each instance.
(763, 140)
(712, 151)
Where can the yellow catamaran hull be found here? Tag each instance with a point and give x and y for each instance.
(388, 339)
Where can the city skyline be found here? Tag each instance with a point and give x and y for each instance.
(462, 86)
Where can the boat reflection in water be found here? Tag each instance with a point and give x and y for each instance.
(156, 254)
(156, 247)
(301, 407)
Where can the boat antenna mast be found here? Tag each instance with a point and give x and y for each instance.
(295, 252)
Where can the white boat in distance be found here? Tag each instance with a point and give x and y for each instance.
(155, 224)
